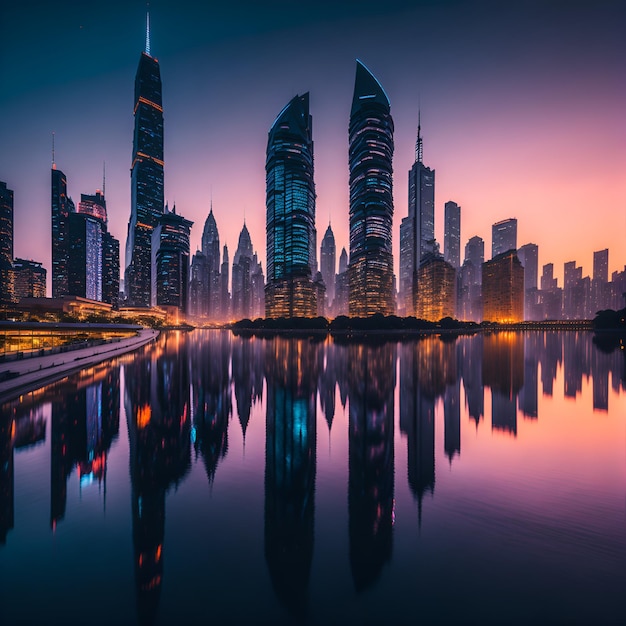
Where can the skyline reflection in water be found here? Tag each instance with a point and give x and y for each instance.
(321, 481)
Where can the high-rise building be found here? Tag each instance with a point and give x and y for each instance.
(600, 287)
(290, 204)
(370, 158)
(146, 178)
(225, 296)
(170, 261)
(470, 306)
(62, 206)
(452, 234)
(85, 259)
(503, 288)
(528, 255)
(211, 250)
(6, 244)
(246, 277)
(436, 289)
(328, 263)
(550, 295)
(109, 265)
(30, 279)
(342, 286)
(503, 236)
(417, 230)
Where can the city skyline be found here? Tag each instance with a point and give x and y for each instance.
(506, 145)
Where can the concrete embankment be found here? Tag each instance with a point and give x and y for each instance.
(18, 377)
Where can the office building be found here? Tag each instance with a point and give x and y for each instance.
(452, 234)
(417, 230)
(290, 204)
(370, 158)
(170, 261)
(328, 264)
(6, 244)
(247, 300)
(211, 307)
(147, 199)
(61, 208)
(503, 288)
(503, 237)
(30, 279)
(528, 254)
(436, 289)
(85, 260)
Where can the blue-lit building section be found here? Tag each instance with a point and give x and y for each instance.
(85, 259)
(290, 203)
(147, 197)
(371, 198)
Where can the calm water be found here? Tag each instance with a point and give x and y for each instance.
(213, 479)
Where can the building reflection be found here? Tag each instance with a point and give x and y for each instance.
(211, 408)
(471, 349)
(247, 366)
(452, 399)
(503, 372)
(328, 376)
(528, 400)
(371, 384)
(290, 465)
(159, 425)
(85, 422)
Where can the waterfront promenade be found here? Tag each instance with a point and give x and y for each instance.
(21, 376)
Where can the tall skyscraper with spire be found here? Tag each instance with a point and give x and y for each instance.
(147, 199)
(328, 263)
(61, 208)
(290, 223)
(417, 230)
(370, 157)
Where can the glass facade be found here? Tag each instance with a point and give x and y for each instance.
(290, 222)
(503, 289)
(503, 237)
(61, 206)
(6, 244)
(371, 198)
(170, 261)
(146, 180)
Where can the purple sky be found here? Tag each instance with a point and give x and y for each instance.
(522, 111)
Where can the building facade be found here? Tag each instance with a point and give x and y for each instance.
(30, 279)
(528, 255)
(503, 236)
(436, 293)
(370, 158)
(328, 265)
(6, 244)
(503, 289)
(452, 234)
(290, 216)
(170, 261)
(147, 195)
(61, 208)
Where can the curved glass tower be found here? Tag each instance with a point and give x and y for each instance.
(371, 198)
(146, 174)
(290, 224)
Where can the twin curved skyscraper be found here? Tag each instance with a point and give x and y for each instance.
(293, 289)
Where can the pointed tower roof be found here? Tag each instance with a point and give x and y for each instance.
(419, 148)
(148, 33)
(367, 89)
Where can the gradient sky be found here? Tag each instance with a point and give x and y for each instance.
(522, 109)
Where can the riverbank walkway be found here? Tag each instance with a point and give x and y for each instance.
(22, 376)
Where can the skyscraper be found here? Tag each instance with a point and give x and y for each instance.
(247, 274)
(503, 236)
(528, 255)
(62, 206)
(211, 250)
(503, 288)
(328, 263)
(85, 259)
(290, 204)
(470, 283)
(436, 280)
(452, 234)
(30, 279)
(170, 261)
(6, 244)
(371, 198)
(417, 230)
(146, 178)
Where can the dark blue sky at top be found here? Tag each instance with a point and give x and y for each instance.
(480, 70)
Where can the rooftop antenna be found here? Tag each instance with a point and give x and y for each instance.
(148, 31)
(54, 165)
(419, 149)
(104, 178)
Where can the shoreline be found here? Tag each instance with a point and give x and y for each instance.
(30, 374)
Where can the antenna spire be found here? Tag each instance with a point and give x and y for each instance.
(104, 178)
(148, 33)
(419, 149)
(54, 165)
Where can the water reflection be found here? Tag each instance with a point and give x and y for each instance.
(181, 393)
